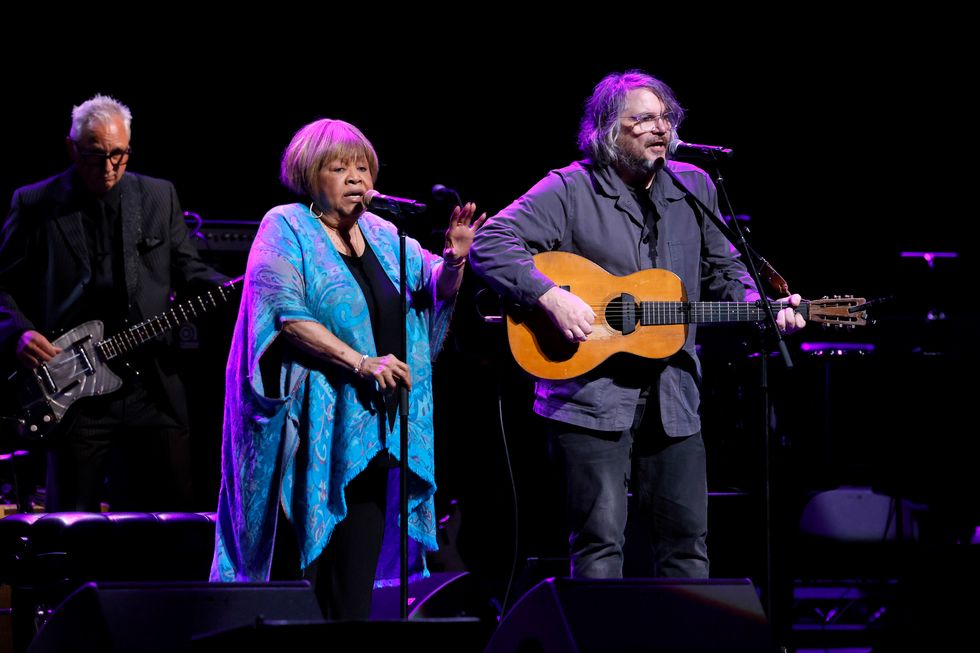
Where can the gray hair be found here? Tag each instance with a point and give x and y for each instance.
(100, 108)
(600, 120)
(316, 145)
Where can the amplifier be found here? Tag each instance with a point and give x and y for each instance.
(222, 235)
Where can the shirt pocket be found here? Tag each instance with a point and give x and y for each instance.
(683, 259)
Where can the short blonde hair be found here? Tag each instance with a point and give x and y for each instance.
(318, 143)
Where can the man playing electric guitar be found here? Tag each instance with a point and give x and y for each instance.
(94, 243)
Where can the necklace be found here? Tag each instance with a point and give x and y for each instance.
(349, 243)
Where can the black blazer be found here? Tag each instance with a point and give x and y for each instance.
(45, 265)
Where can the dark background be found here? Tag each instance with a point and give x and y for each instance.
(837, 148)
(836, 162)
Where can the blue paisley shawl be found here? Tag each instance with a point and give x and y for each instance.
(301, 446)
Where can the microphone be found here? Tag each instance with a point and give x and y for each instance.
(375, 201)
(680, 150)
(441, 192)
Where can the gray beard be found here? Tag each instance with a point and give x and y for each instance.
(633, 165)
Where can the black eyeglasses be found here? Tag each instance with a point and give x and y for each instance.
(98, 158)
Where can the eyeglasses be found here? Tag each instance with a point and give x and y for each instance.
(98, 158)
(647, 122)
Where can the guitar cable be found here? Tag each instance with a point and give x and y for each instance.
(498, 319)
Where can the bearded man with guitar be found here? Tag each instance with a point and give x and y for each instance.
(96, 244)
(627, 421)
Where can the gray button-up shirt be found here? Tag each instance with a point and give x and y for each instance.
(588, 210)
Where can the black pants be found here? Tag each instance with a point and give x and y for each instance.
(125, 449)
(343, 576)
(668, 477)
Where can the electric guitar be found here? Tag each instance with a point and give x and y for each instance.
(82, 369)
(645, 313)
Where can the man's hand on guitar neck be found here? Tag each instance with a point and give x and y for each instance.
(33, 349)
(571, 315)
(788, 320)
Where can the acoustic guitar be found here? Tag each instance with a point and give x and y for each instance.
(645, 314)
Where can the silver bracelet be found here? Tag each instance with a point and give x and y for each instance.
(360, 364)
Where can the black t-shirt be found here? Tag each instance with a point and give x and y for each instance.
(105, 297)
(650, 219)
(105, 293)
(384, 309)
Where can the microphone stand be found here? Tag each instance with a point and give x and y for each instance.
(403, 427)
(395, 212)
(737, 237)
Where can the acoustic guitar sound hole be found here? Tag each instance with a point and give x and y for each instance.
(621, 314)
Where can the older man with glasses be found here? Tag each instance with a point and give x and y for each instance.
(96, 243)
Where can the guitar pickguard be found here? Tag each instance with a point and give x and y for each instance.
(78, 371)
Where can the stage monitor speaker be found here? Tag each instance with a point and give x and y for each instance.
(150, 617)
(466, 635)
(580, 616)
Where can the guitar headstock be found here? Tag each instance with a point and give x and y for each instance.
(841, 312)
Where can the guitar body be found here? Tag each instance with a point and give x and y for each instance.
(78, 371)
(82, 368)
(543, 351)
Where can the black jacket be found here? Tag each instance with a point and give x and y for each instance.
(45, 265)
